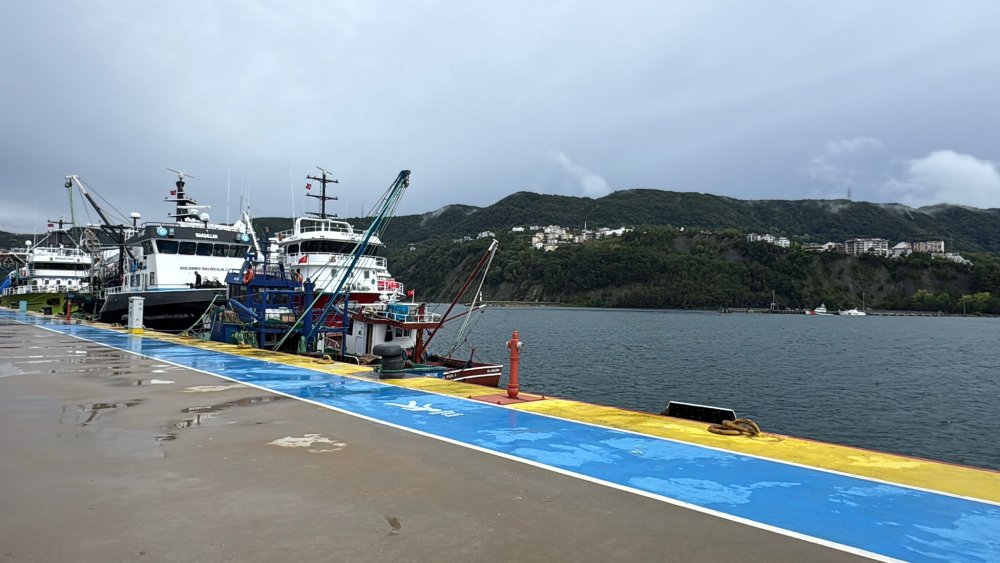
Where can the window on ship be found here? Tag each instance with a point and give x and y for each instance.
(166, 246)
(220, 250)
(204, 249)
(187, 248)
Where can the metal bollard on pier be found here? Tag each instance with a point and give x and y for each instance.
(135, 305)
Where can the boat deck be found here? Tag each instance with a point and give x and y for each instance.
(120, 446)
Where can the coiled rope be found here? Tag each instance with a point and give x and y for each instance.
(736, 427)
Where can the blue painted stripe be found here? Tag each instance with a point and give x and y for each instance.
(890, 520)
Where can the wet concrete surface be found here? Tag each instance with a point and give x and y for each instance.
(110, 456)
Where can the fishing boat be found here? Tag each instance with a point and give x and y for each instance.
(271, 305)
(44, 274)
(400, 335)
(320, 247)
(176, 267)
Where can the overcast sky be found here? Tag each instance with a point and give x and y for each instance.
(898, 101)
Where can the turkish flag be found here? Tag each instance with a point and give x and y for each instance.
(410, 293)
(304, 259)
(309, 186)
(173, 192)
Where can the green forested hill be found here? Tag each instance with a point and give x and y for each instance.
(662, 268)
(962, 228)
(708, 264)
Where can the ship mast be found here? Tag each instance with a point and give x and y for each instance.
(322, 197)
(59, 233)
(186, 208)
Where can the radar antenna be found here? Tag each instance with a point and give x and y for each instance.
(180, 175)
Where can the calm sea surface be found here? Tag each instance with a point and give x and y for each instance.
(928, 387)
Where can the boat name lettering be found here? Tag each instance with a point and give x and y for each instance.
(199, 268)
(427, 408)
(206, 235)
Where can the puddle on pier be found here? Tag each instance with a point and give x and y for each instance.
(249, 401)
(206, 415)
(143, 382)
(90, 412)
(196, 420)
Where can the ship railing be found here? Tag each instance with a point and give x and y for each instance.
(336, 227)
(337, 260)
(78, 273)
(26, 289)
(56, 251)
(403, 315)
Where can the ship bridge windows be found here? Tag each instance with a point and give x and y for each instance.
(200, 248)
(147, 247)
(61, 266)
(293, 248)
(167, 246)
(330, 247)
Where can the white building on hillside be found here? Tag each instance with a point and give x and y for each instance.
(861, 246)
(929, 246)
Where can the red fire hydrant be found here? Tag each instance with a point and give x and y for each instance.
(514, 345)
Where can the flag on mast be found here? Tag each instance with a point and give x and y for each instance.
(309, 186)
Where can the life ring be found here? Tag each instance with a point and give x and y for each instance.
(248, 276)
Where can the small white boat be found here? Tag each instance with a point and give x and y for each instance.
(852, 312)
(821, 310)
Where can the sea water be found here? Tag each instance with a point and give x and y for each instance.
(922, 386)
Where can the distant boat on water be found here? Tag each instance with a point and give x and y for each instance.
(821, 310)
(853, 312)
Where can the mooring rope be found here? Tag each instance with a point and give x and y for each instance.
(736, 427)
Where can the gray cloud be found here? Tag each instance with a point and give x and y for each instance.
(852, 146)
(590, 183)
(949, 177)
(722, 98)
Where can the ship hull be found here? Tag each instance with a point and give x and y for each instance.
(166, 311)
(41, 302)
(468, 372)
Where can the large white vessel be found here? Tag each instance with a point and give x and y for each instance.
(320, 249)
(46, 272)
(178, 268)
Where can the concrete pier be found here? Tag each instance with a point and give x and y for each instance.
(111, 456)
(126, 447)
